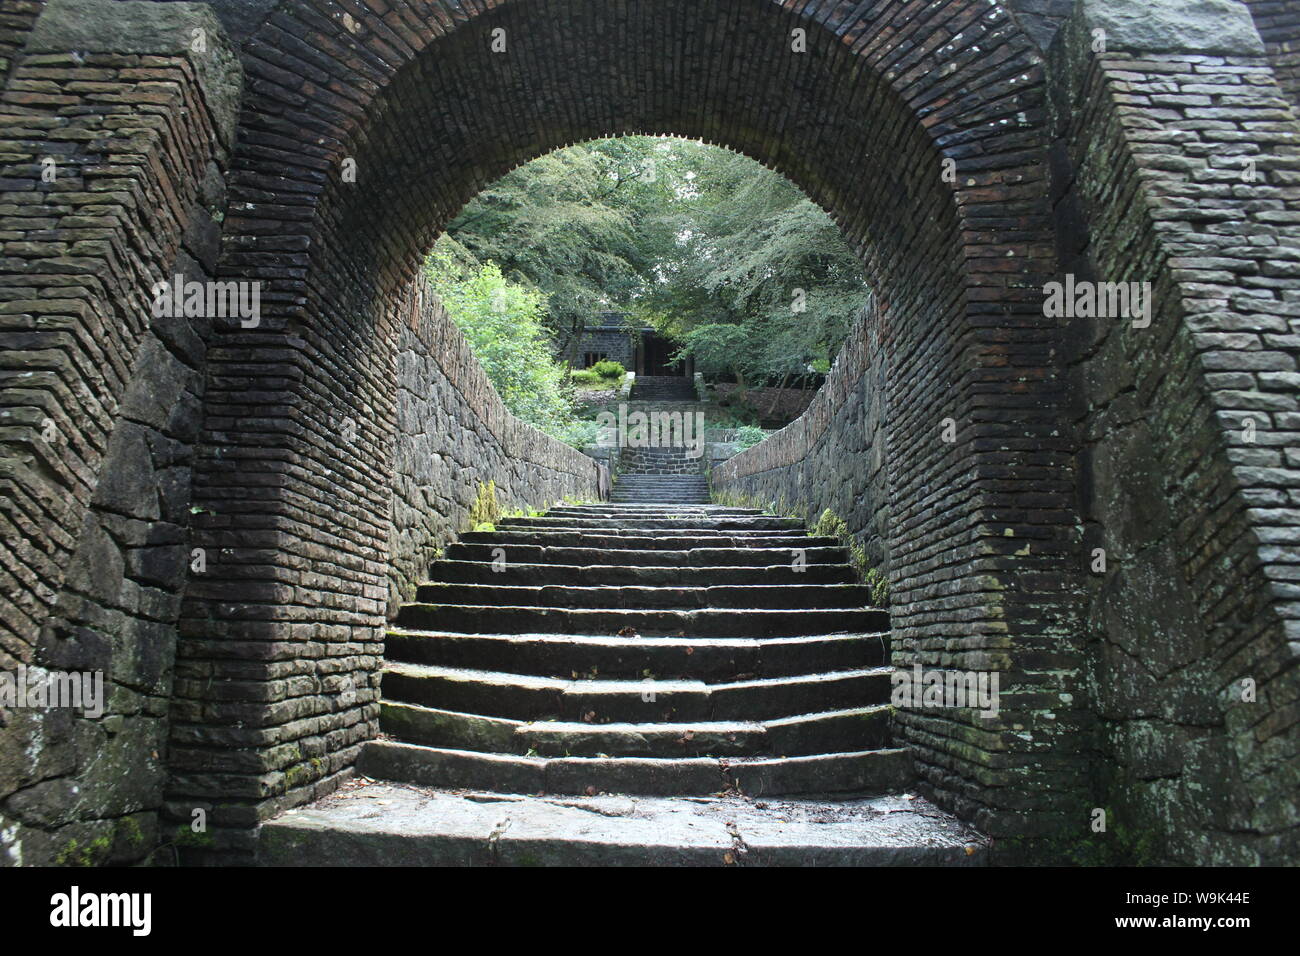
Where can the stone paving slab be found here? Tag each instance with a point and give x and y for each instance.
(372, 823)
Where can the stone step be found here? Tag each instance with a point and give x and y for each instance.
(744, 596)
(652, 511)
(667, 528)
(707, 622)
(655, 496)
(682, 523)
(715, 660)
(380, 824)
(858, 772)
(629, 480)
(514, 572)
(702, 557)
(855, 729)
(526, 697)
(643, 540)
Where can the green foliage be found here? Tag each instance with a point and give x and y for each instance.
(485, 511)
(747, 436)
(609, 369)
(829, 525)
(680, 234)
(502, 323)
(879, 584)
(753, 252)
(581, 434)
(588, 379)
(573, 225)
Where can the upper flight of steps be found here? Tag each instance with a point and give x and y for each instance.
(666, 474)
(663, 388)
(657, 652)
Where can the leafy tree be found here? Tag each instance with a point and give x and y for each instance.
(726, 257)
(502, 322)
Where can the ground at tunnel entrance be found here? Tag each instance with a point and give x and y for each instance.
(372, 823)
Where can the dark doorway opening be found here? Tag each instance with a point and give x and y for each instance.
(655, 356)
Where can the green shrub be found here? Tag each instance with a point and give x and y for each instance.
(747, 436)
(502, 322)
(608, 369)
(588, 379)
(581, 434)
(830, 525)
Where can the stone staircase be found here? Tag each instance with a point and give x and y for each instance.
(665, 475)
(663, 388)
(571, 677)
(662, 489)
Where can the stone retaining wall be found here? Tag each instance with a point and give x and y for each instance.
(833, 456)
(454, 436)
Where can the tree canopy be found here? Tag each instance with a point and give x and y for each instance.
(714, 250)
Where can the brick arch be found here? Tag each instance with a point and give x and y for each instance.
(862, 122)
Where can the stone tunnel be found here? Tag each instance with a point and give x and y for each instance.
(220, 511)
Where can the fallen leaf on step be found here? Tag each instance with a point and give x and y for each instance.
(728, 859)
(628, 632)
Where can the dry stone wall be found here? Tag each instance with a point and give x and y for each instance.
(455, 438)
(833, 457)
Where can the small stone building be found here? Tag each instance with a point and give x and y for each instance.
(639, 349)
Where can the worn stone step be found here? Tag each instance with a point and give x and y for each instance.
(643, 479)
(680, 523)
(709, 622)
(514, 572)
(715, 659)
(651, 496)
(654, 511)
(529, 697)
(649, 480)
(864, 728)
(630, 597)
(704, 557)
(860, 772)
(382, 824)
(648, 540)
(665, 529)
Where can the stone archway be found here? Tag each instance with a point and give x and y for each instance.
(922, 131)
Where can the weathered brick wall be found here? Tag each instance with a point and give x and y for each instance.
(453, 434)
(100, 403)
(1198, 515)
(1278, 22)
(834, 455)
